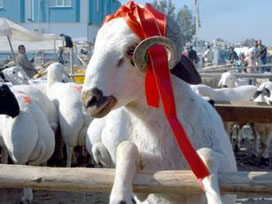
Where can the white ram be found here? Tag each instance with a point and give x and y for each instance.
(27, 135)
(263, 131)
(240, 93)
(144, 140)
(73, 121)
(229, 80)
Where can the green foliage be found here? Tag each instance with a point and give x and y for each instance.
(186, 21)
(184, 17)
(167, 7)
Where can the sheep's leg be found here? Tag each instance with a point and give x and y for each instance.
(4, 155)
(74, 157)
(236, 140)
(27, 197)
(126, 165)
(101, 155)
(240, 135)
(59, 145)
(229, 129)
(265, 149)
(256, 149)
(69, 153)
(213, 160)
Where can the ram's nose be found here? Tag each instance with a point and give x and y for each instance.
(91, 97)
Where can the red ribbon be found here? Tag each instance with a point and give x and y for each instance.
(146, 22)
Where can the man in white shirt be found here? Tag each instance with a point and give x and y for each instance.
(208, 56)
(23, 62)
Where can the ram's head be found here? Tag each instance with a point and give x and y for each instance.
(115, 75)
(8, 102)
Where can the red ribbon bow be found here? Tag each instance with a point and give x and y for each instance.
(146, 22)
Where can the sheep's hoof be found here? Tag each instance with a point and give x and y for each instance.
(253, 156)
(124, 202)
(25, 202)
(236, 148)
(264, 161)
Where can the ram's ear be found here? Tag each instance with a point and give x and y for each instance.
(220, 83)
(256, 94)
(185, 70)
(266, 92)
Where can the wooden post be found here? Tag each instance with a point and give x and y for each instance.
(42, 57)
(244, 111)
(71, 60)
(55, 51)
(12, 51)
(101, 180)
(222, 68)
(239, 75)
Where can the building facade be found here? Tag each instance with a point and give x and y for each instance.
(80, 19)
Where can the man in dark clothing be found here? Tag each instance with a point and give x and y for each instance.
(262, 52)
(24, 62)
(193, 55)
(60, 55)
(233, 55)
(68, 40)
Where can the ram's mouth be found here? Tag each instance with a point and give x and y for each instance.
(101, 107)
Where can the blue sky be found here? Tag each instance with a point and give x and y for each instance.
(232, 20)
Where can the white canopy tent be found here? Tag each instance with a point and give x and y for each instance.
(10, 31)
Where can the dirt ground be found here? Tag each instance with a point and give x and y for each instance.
(244, 160)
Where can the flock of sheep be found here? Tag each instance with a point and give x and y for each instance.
(234, 89)
(110, 116)
(28, 136)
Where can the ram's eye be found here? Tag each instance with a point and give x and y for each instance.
(120, 62)
(130, 50)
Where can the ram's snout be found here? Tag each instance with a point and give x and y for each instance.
(96, 104)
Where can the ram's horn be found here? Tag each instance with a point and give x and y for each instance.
(139, 56)
(174, 33)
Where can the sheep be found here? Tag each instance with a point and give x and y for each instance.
(27, 134)
(229, 80)
(36, 92)
(145, 141)
(16, 75)
(11, 108)
(46, 106)
(73, 121)
(241, 93)
(263, 131)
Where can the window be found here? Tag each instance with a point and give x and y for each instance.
(106, 8)
(60, 3)
(1, 3)
(97, 5)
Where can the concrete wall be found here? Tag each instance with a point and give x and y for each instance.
(14, 10)
(81, 21)
(43, 11)
(99, 9)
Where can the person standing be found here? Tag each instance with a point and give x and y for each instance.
(251, 62)
(208, 56)
(24, 62)
(262, 52)
(192, 55)
(233, 57)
